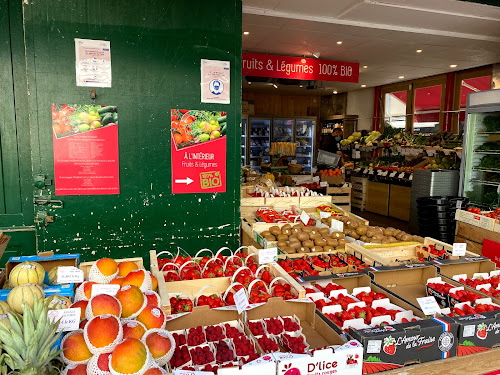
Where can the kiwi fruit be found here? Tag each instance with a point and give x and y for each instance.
(289, 250)
(286, 226)
(265, 233)
(347, 231)
(344, 219)
(395, 232)
(282, 244)
(286, 231)
(303, 249)
(361, 229)
(293, 238)
(298, 226)
(328, 248)
(315, 231)
(316, 249)
(274, 228)
(296, 230)
(307, 229)
(295, 244)
(270, 238)
(418, 239)
(282, 237)
(337, 235)
(354, 235)
(308, 243)
(342, 243)
(303, 236)
(332, 242)
(275, 231)
(320, 242)
(353, 225)
(363, 238)
(324, 231)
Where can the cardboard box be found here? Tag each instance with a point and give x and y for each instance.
(476, 333)
(414, 342)
(333, 180)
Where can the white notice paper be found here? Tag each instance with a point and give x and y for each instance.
(401, 175)
(304, 217)
(110, 289)
(215, 81)
(68, 275)
(268, 255)
(459, 249)
(241, 300)
(69, 319)
(429, 305)
(323, 183)
(93, 62)
(337, 226)
(324, 214)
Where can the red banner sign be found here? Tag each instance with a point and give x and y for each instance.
(273, 66)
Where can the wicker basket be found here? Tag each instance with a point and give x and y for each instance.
(295, 168)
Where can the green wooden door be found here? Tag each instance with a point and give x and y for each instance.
(156, 47)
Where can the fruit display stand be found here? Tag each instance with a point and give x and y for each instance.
(474, 236)
(384, 349)
(86, 266)
(341, 196)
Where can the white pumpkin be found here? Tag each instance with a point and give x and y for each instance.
(27, 273)
(24, 293)
(53, 276)
(58, 302)
(4, 310)
(7, 285)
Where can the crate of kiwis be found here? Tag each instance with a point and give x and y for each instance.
(301, 239)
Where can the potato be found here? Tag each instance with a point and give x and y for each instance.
(353, 225)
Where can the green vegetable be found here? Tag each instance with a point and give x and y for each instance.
(223, 131)
(115, 117)
(222, 119)
(196, 128)
(204, 137)
(107, 119)
(109, 108)
(84, 127)
(492, 123)
(490, 162)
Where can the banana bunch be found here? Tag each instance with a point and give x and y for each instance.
(269, 176)
(29, 343)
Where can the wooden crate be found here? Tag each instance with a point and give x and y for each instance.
(357, 203)
(341, 196)
(85, 266)
(377, 198)
(474, 236)
(399, 202)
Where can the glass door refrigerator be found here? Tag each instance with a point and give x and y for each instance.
(305, 129)
(480, 168)
(283, 129)
(244, 141)
(259, 134)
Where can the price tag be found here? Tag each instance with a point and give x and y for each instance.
(68, 275)
(393, 174)
(304, 217)
(268, 255)
(459, 249)
(314, 169)
(357, 169)
(411, 177)
(293, 161)
(371, 171)
(241, 300)
(324, 214)
(385, 173)
(69, 319)
(110, 289)
(365, 171)
(429, 305)
(323, 183)
(459, 205)
(358, 154)
(379, 172)
(337, 226)
(401, 175)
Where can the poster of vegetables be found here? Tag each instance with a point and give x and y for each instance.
(192, 127)
(71, 119)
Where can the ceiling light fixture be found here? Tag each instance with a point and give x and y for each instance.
(246, 32)
(419, 51)
(363, 85)
(401, 77)
(339, 42)
(249, 83)
(275, 85)
(453, 65)
(365, 66)
(301, 86)
(334, 91)
(317, 54)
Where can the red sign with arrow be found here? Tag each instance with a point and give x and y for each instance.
(274, 66)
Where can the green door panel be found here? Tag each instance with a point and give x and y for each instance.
(156, 47)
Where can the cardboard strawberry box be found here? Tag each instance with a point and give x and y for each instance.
(410, 284)
(401, 342)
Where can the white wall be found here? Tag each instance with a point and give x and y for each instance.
(360, 103)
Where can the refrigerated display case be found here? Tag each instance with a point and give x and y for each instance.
(259, 134)
(244, 132)
(283, 129)
(305, 130)
(480, 169)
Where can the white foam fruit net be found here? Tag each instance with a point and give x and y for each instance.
(89, 313)
(105, 349)
(157, 296)
(133, 324)
(80, 294)
(163, 360)
(147, 283)
(66, 360)
(69, 367)
(96, 275)
(93, 368)
(136, 314)
(156, 310)
(147, 365)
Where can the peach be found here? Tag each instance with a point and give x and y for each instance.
(158, 343)
(125, 267)
(154, 281)
(76, 370)
(86, 288)
(131, 298)
(107, 266)
(103, 304)
(156, 371)
(75, 349)
(103, 361)
(135, 277)
(117, 280)
(83, 323)
(82, 305)
(129, 356)
(152, 317)
(102, 330)
(133, 330)
(153, 298)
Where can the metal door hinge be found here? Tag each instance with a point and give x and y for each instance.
(54, 203)
(41, 181)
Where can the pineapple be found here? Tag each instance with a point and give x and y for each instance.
(28, 344)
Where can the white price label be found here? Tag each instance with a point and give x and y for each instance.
(358, 154)
(393, 174)
(365, 171)
(110, 289)
(379, 172)
(68, 275)
(371, 171)
(323, 183)
(304, 217)
(324, 214)
(69, 319)
(293, 161)
(268, 255)
(357, 169)
(401, 175)
(429, 305)
(385, 173)
(411, 177)
(459, 205)
(459, 249)
(337, 226)
(241, 300)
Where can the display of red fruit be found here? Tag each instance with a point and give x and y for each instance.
(201, 355)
